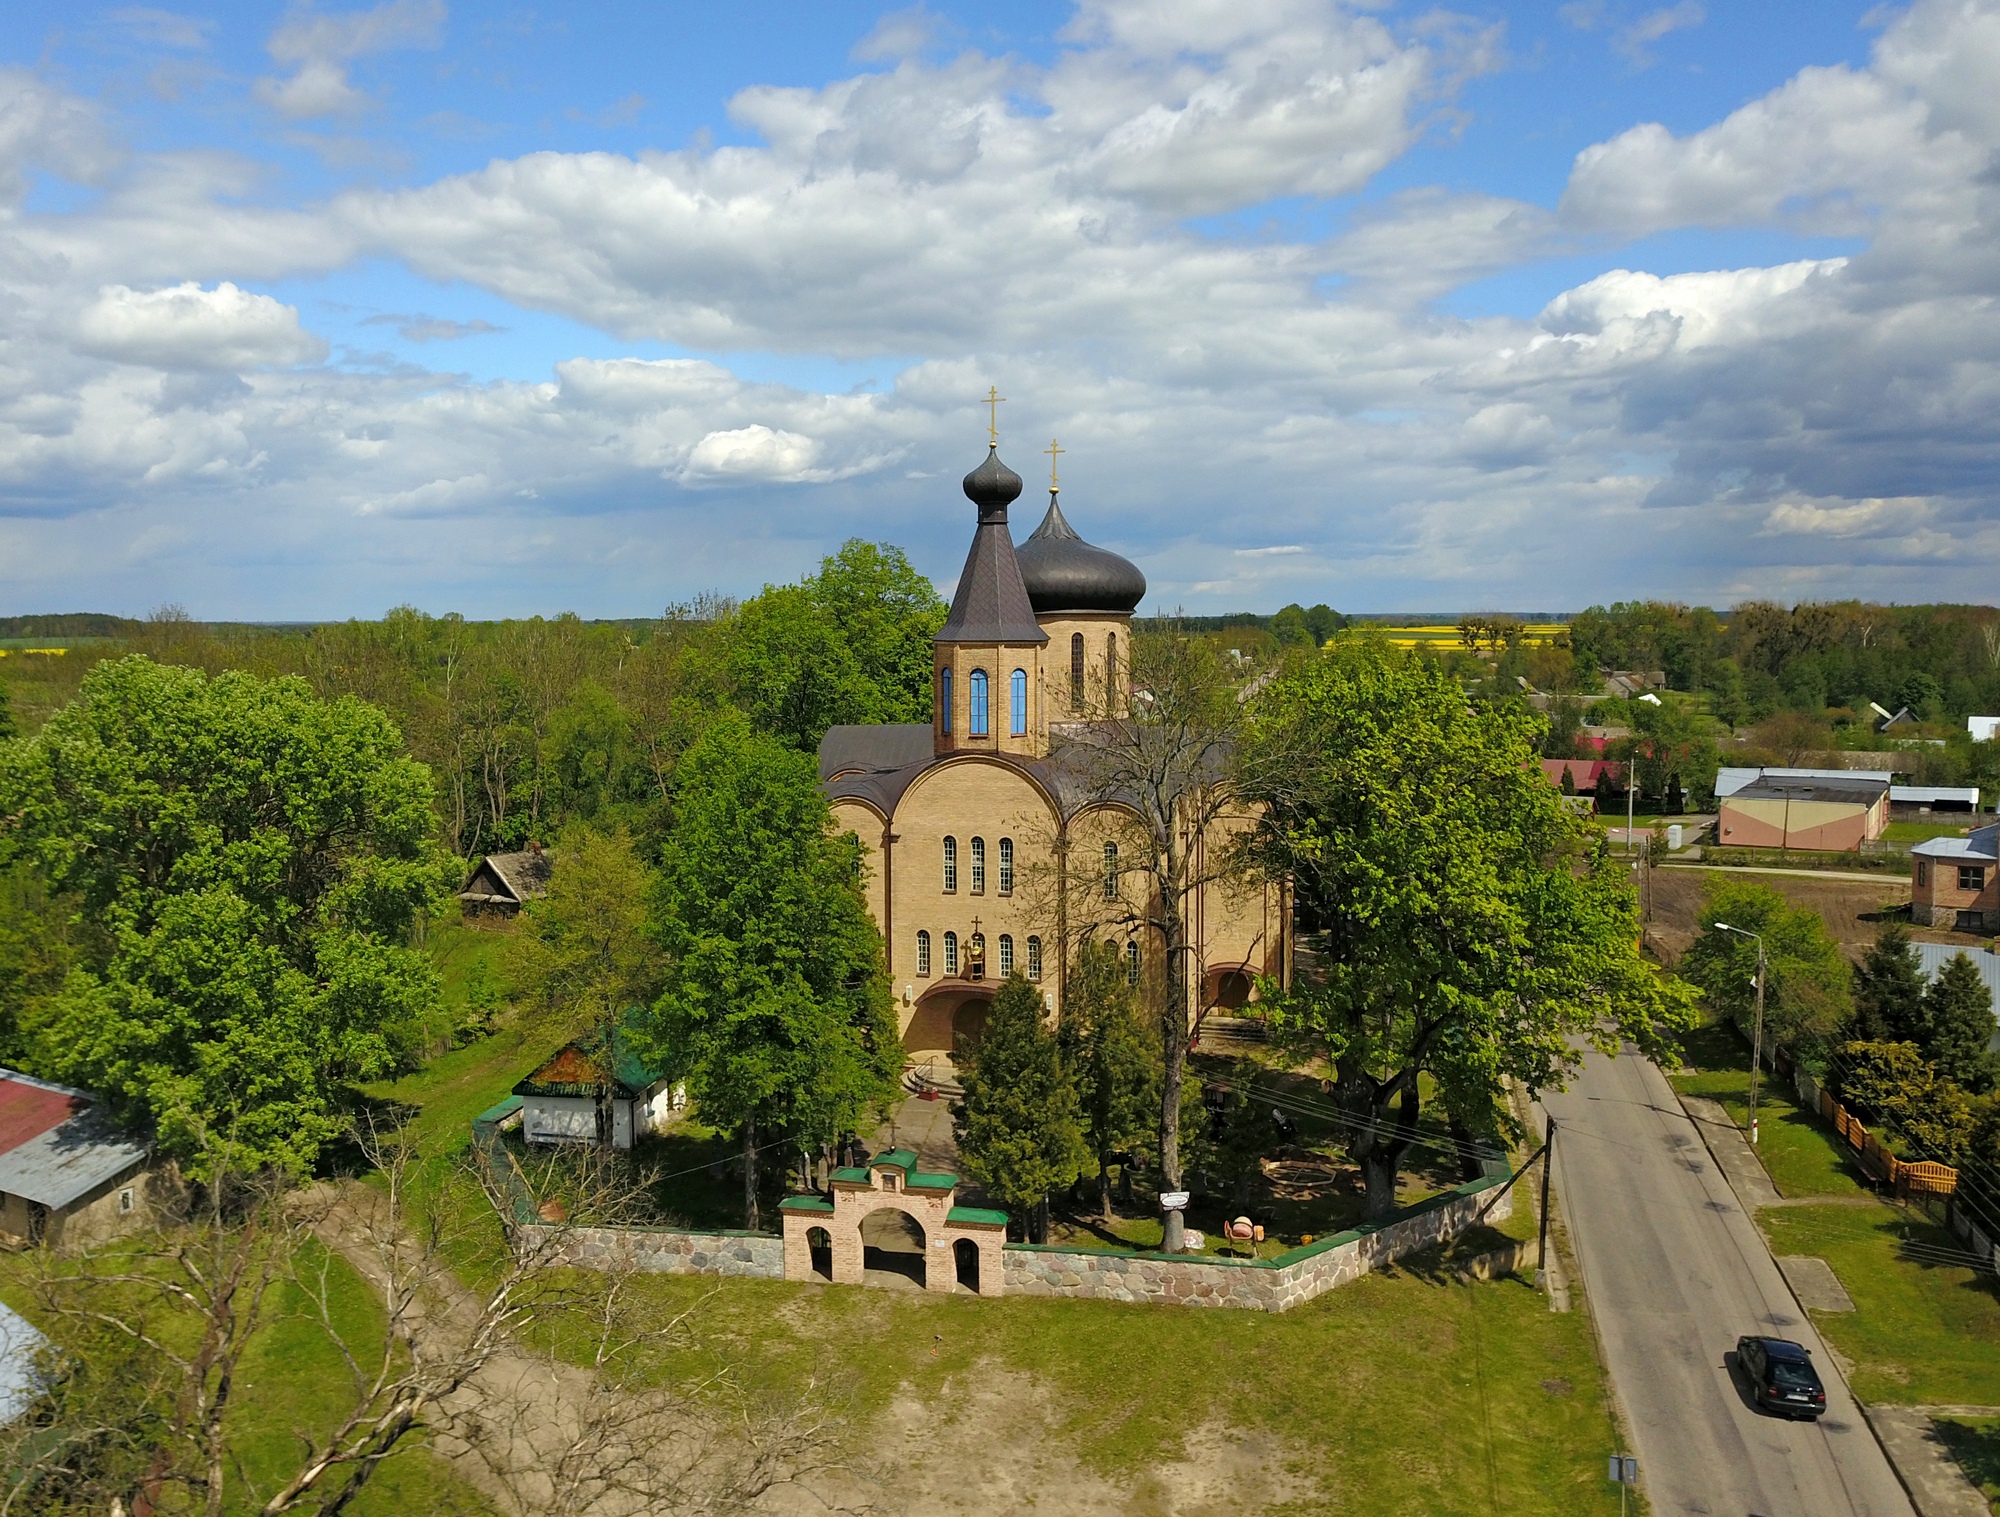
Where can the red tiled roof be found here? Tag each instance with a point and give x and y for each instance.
(28, 1111)
(1583, 773)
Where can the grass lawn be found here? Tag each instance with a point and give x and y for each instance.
(1975, 1443)
(1403, 1392)
(292, 1377)
(1799, 1151)
(1920, 1332)
(1923, 832)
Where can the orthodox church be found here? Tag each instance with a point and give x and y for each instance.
(987, 849)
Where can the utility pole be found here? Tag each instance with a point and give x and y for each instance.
(1757, 1035)
(1548, 1164)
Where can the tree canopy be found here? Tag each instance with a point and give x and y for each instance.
(1808, 990)
(1888, 988)
(1110, 1056)
(1954, 1024)
(1020, 1125)
(775, 1002)
(1474, 925)
(257, 859)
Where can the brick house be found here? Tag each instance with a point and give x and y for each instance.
(1955, 882)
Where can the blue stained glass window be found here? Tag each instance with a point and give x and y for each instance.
(975, 689)
(1017, 695)
(944, 698)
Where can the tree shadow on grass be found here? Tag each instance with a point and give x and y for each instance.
(1976, 1447)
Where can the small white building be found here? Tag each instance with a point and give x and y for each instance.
(580, 1097)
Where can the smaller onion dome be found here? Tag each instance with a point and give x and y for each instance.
(992, 487)
(1065, 573)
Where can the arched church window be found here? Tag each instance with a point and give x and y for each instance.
(1034, 958)
(975, 691)
(950, 865)
(923, 953)
(944, 699)
(1017, 703)
(1006, 955)
(1131, 963)
(1110, 668)
(951, 953)
(1076, 671)
(1110, 871)
(979, 866)
(1006, 866)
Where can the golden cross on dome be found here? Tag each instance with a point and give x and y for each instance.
(994, 401)
(1054, 450)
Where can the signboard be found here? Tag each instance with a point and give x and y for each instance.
(1624, 1469)
(1173, 1200)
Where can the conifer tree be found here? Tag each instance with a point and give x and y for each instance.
(1955, 1023)
(1020, 1127)
(1888, 988)
(1113, 1062)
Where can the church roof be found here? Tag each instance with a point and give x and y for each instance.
(991, 604)
(1064, 573)
(846, 749)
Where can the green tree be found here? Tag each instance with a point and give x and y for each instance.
(1808, 989)
(1113, 1062)
(7, 727)
(1020, 1124)
(1888, 988)
(258, 860)
(1894, 1084)
(1955, 1023)
(775, 1004)
(1292, 628)
(587, 953)
(1565, 719)
(1476, 927)
(888, 615)
(42, 938)
(792, 670)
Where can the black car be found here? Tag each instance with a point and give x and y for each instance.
(1782, 1375)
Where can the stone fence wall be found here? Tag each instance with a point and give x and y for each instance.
(1270, 1285)
(665, 1250)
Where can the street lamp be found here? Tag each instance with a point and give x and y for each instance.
(1757, 1038)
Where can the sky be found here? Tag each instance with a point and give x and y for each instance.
(310, 311)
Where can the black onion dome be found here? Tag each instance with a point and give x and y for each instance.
(1065, 573)
(992, 486)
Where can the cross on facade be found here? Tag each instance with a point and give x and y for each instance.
(994, 401)
(1054, 450)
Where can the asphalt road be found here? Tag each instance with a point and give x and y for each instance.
(1676, 1272)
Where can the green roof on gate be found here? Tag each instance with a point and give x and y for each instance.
(805, 1203)
(976, 1214)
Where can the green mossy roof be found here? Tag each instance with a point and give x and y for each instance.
(970, 1214)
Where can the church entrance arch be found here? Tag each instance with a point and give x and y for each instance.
(892, 1243)
(965, 1264)
(820, 1242)
(1230, 987)
(948, 1018)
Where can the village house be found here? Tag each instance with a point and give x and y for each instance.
(69, 1174)
(581, 1096)
(1826, 810)
(503, 882)
(987, 846)
(1955, 882)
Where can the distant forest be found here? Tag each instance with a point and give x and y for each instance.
(531, 724)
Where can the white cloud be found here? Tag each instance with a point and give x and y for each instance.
(320, 44)
(187, 327)
(755, 453)
(42, 127)
(162, 28)
(1633, 41)
(899, 34)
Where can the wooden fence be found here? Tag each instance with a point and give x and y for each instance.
(1924, 1178)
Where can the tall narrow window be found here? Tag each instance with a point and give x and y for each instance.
(1923, 873)
(944, 699)
(1034, 958)
(1017, 703)
(951, 953)
(1131, 963)
(950, 865)
(1006, 866)
(1006, 955)
(975, 692)
(1076, 671)
(1110, 871)
(923, 953)
(979, 866)
(1110, 672)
